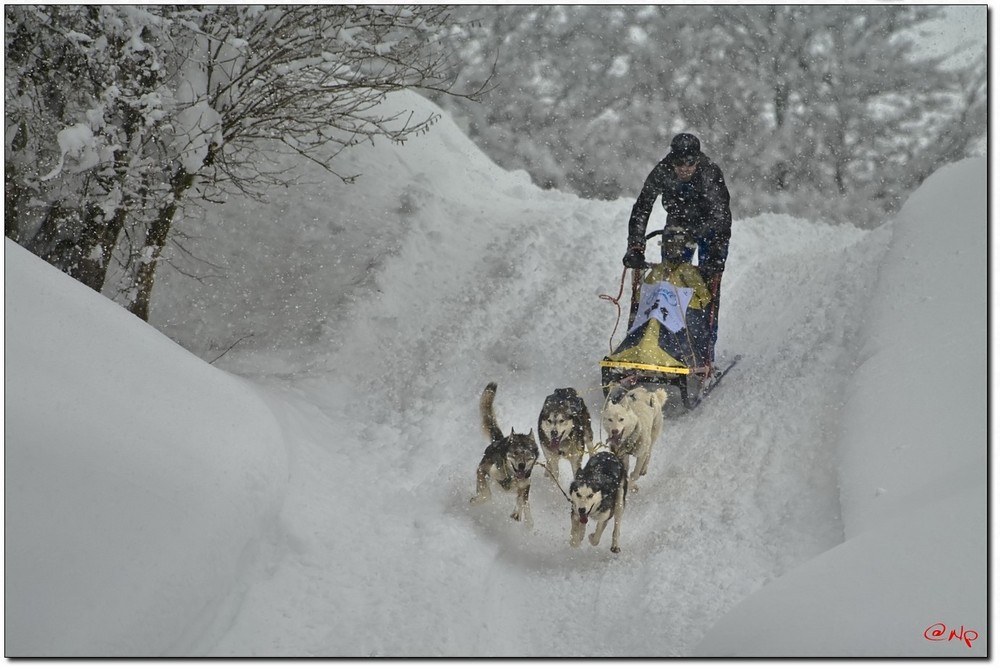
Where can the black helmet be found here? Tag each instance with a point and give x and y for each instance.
(685, 144)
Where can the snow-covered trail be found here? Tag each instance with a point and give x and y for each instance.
(378, 552)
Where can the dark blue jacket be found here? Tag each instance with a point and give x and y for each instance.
(701, 205)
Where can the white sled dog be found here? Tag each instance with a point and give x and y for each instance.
(633, 419)
(564, 430)
(598, 492)
(507, 460)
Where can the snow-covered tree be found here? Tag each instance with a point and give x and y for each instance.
(582, 94)
(796, 103)
(117, 114)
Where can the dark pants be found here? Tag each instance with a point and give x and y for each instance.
(713, 307)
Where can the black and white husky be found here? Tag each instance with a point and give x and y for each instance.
(598, 492)
(564, 430)
(507, 460)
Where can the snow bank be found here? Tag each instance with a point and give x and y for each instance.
(323, 245)
(927, 325)
(912, 465)
(137, 478)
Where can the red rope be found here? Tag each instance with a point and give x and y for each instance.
(616, 302)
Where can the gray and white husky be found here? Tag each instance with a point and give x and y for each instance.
(508, 460)
(598, 492)
(564, 430)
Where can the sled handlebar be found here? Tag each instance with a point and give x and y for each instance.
(648, 265)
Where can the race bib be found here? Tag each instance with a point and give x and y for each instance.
(664, 302)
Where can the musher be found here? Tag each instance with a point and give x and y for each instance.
(694, 193)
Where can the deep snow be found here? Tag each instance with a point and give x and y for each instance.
(313, 499)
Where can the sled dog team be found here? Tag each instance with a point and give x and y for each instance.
(632, 418)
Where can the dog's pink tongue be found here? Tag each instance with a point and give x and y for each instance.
(583, 519)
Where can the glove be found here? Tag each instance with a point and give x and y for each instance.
(634, 258)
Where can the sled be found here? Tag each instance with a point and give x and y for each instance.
(667, 340)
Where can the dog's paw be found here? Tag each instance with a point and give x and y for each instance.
(515, 516)
(633, 487)
(478, 500)
(574, 541)
(615, 549)
(594, 539)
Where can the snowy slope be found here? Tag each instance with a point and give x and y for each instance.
(489, 278)
(378, 313)
(139, 482)
(912, 459)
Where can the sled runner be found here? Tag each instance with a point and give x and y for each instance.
(667, 340)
